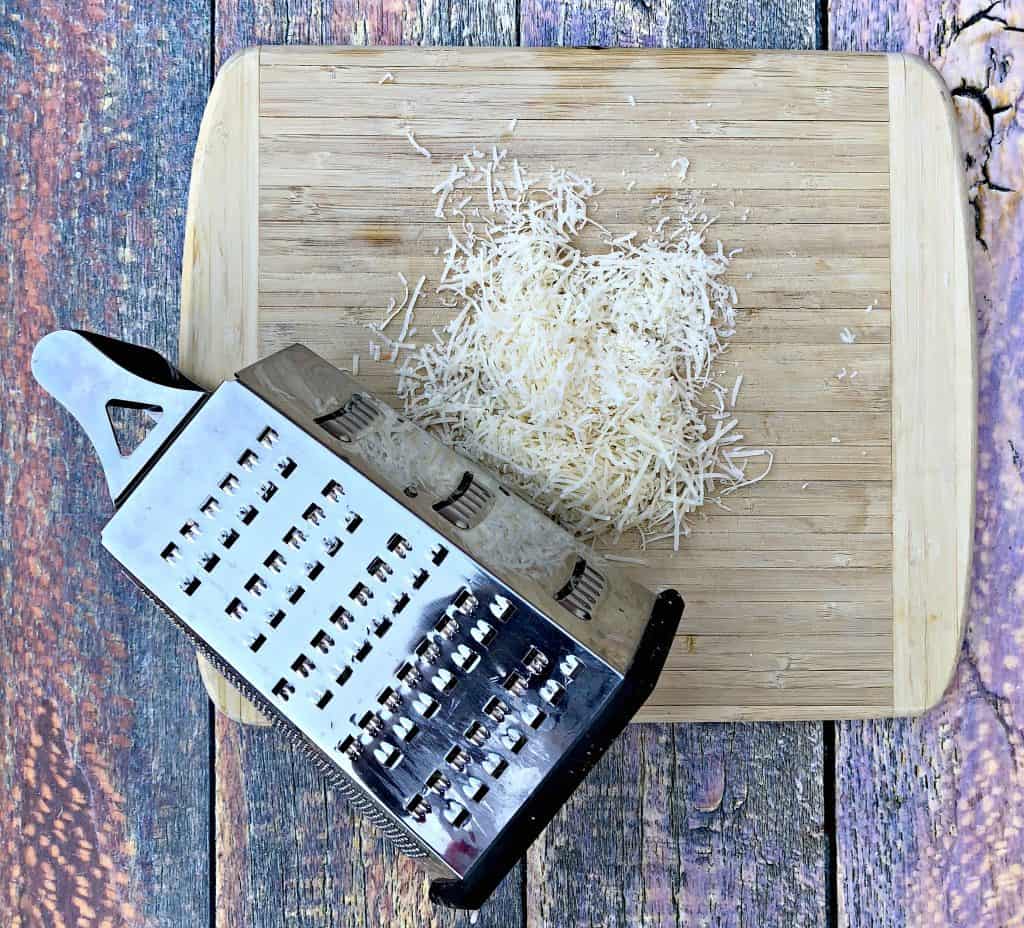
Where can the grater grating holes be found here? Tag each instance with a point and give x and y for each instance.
(255, 585)
(515, 683)
(322, 642)
(286, 467)
(190, 530)
(248, 459)
(444, 680)
(534, 716)
(437, 554)
(275, 618)
(361, 594)
(333, 491)
(552, 692)
(457, 758)
(341, 617)
(494, 764)
(513, 739)
(465, 658)
(398, 545)
(426, 705)
(501, 608)
(283, 689)
(535, 660)
(349, 746)
(388, 755)
(582, 591)
(496, 709)
(456, 813)
(476, 733)
(189, 585)
(405, 729)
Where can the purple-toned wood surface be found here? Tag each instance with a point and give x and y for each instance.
(931, 812)
(103, 739)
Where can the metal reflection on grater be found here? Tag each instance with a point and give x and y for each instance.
(447, 656)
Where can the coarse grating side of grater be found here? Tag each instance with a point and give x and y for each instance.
(451, 658)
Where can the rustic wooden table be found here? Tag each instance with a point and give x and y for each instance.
(126, 802)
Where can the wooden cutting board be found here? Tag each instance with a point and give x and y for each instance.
(837, 586)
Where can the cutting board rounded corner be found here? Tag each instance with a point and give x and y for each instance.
(934, 398)
(220, 259)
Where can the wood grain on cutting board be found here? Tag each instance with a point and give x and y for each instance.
(834, 588)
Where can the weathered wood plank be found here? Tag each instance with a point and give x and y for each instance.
(683, 825)
(679, 825)
(104, 729)
(645, 23)
(928, 811)
(289, 850)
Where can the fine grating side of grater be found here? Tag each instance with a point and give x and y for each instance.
(451, 658)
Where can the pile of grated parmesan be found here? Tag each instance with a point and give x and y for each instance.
(583, 377)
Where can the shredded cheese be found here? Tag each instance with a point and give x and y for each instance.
(846, 336)
(387, 78)
(684, 166)
(581, 375)
(412, 141)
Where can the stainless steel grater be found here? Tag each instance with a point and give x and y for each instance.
(454, 660)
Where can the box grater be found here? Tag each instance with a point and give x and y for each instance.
(451, 658)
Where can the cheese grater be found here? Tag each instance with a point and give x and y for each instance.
(451, 658)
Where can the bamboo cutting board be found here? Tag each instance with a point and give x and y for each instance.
(837, 586)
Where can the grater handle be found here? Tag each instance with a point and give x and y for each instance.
(91, 374)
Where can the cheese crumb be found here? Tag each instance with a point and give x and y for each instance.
(412, 141)
(387, 78)
(684, 166)
(846, 336)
